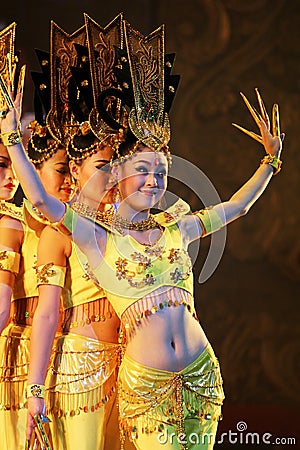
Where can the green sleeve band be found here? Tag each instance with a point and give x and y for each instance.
(9, 261)
(67, 224)
(210, 220)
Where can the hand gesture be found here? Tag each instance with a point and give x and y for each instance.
(270, 139)
(10, 116)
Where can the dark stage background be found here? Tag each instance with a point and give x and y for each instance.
(250, 306)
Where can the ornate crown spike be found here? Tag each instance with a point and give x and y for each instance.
(101, 42)
(107, 116)
(39, 147)
(63, 55)
(148, 119)
(7, 58)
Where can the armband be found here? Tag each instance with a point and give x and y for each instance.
(36, 390)
(10, 261)
(50, 274)
(273, 161)
(67, 223)
(210, 220)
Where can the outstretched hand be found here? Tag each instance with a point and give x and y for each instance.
(270, 136)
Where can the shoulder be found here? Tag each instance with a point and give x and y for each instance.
(11, 210)
(174, 214)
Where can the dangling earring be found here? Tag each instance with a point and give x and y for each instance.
(115, 194)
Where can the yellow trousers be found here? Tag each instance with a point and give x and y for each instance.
(81, 386)
(161, 410)
(14, 360)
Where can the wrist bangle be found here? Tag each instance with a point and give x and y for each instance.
(273, 161)
(11, 138)
(36, 390)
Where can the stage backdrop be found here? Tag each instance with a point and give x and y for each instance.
(250, 307)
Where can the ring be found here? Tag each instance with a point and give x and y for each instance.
(3, 113)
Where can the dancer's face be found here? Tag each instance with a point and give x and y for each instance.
(93, 176)
(55, 176)
(8, 181)
(143, 179)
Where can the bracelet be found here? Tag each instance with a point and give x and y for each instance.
(11, 138)
(36, 390)
(273, 161)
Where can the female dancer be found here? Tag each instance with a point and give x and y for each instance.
(19, 238)
(170, 395)
(81, 381)
(20, 232)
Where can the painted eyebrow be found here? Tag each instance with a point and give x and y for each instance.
(106, 161)
(5, 157)
(61, 163)
(142, 161)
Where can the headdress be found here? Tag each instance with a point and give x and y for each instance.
(11, 73)
(100, 116)
(144, 74)
(41, 145)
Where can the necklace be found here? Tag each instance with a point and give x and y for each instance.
(146, 224)
(113, 219)
(94, 214)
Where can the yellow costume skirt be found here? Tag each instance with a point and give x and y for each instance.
(14, 361)
(171, 410)
(81, 389)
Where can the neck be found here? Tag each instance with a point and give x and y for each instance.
(131, 214)
(90, 203)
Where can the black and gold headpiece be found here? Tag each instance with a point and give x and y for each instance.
(144, 74)
(63, 55)
(97, 85)
(41, 145)
(11, 73)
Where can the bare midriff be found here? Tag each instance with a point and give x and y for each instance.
(96, 320)
(167, 337)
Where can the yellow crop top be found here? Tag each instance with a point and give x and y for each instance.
(25, 284)
(81, 289)
(78, 288)
(10, 260)
(130, 271)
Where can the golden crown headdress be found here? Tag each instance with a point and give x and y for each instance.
(11, 73)
(144, 74)
(98, 80)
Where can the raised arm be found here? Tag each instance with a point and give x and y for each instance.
(33, 188)
(241, 201)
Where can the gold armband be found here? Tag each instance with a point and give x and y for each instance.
(11, 138)
(10, 261)
(210, 220)
(67, 223)
(273, 161)
(36, 390)
(50, 274)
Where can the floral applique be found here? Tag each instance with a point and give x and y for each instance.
(44, 273)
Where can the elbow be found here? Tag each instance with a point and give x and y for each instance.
(38, 202)
(243, 211)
